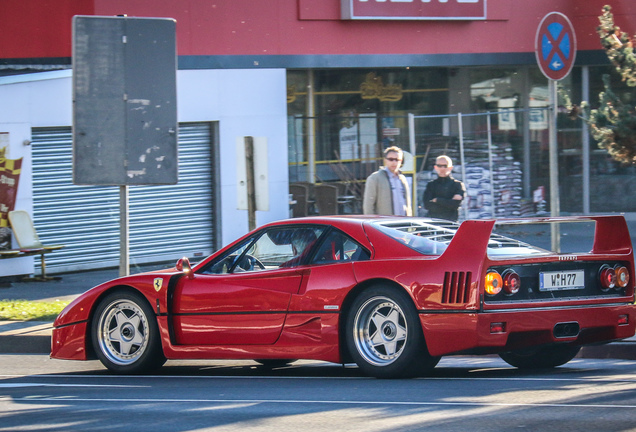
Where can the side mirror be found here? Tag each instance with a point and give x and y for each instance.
(184, 265)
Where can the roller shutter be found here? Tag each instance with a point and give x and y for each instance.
(166, 222)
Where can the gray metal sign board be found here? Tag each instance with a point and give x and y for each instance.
(124, 101)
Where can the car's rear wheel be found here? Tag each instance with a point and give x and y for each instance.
(540, 358)
(125, 334)
(384, 335)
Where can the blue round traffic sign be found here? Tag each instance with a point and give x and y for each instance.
(555, 46)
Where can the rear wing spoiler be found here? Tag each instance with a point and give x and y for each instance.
(611, 235)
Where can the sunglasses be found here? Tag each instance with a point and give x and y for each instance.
(393, 159)
(441, 166)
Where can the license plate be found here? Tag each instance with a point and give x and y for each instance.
(561, 280)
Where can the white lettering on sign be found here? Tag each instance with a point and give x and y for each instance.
(414, 9)
(7, 180)
(423, 1)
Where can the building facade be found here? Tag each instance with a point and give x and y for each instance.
(327, 85)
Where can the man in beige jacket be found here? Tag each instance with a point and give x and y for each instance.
(386, 191)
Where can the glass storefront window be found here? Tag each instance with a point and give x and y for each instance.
(491, 89)
(356, 113)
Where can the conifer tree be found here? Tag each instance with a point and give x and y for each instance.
(613, 124)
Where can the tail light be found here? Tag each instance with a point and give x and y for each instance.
(608, 277)
(622, 276)
(511, 282)
(493, 283)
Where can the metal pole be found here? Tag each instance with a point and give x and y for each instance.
(251, 195)
(412, 149)
(124, 229)
(311, 129)
(492, 173)
(460, 128)
(585, 142)
(298, 144)
(554, 167)
(527, 188)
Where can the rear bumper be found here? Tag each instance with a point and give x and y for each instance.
(497, 331)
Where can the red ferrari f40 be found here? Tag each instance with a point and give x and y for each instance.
(392, 294)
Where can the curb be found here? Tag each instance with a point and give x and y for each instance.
(25, 345)
(621, 350)
(25, 337)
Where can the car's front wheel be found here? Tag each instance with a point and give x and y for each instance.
(125, 334)
(541, 358)
(384, 336)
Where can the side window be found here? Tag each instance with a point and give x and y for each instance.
(338, 247)
(227, 261)
(268, 250)
(302, 241)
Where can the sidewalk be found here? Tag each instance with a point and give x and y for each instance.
(29, 337)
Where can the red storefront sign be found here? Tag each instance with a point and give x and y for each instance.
(414, 9)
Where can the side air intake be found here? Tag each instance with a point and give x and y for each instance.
(456, 287)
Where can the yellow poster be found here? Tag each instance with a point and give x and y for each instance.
(9, 178)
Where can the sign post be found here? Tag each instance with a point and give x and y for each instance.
(555, 49)
(125, 128)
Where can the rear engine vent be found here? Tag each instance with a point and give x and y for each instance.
(456, 287)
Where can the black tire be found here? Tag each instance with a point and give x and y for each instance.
(541, 358)
(384, 336)
(125, 334)
(275, 363)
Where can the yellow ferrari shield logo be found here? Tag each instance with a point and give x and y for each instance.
(158, 282)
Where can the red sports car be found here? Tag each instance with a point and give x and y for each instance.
(392, 294)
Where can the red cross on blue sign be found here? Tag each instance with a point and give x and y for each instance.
(555, 46)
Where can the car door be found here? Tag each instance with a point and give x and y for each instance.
(242, 297)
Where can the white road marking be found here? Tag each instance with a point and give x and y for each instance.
(623, 379)
(318, 402)
(15, 385)
(617, 379)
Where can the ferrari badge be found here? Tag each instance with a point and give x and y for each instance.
(158, 282)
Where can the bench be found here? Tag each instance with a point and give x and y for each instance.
(28, 241)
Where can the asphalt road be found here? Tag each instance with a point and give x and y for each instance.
(464, 393)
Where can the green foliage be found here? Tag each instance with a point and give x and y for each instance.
(24, 310)
(613, 124)
(618, 46)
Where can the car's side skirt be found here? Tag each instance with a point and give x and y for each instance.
(304, 336)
